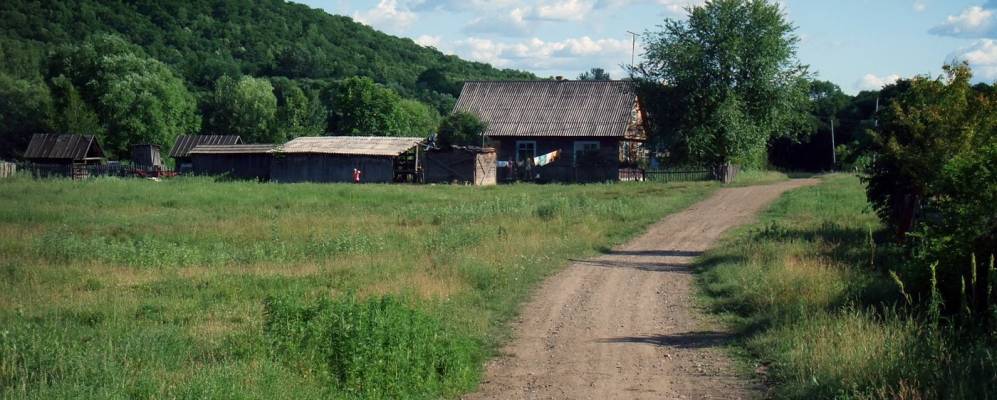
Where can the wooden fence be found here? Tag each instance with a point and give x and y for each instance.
(7, 169)
(677, 175)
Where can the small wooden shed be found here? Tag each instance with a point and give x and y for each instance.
(461, 164)
(237, 161)
(333, 159)
(185, 143)
(63, 155)
(147, 156)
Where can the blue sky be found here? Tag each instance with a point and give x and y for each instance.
(858, 44)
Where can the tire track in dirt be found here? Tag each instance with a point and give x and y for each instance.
(624, 325)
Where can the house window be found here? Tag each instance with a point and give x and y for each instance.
(525, 149)
(585, 147)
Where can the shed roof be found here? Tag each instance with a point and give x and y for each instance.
(551, 108)
(352, 145)
(186, 143)
(233, 149)
(63, 147)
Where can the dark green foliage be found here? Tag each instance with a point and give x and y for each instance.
(372, 349)
(24, 110)
(594, 74)
(299, 113)
(460, 128)
(734, 82)
(932, 183)
(246, 107)
(361, 107)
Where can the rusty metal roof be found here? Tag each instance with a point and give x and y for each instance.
(233, 149)
(352, 145)
(186, 143)
(551, 108)
(63, 147)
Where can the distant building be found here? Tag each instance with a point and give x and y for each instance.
(334, 158)
(147, 156)
(599, 126)
(236, 161)
(63, 155)
(185, 143)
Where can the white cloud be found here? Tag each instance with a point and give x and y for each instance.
(511, 23)
(565, 57)
(387, 16)
(920, 6)
(982, 56)
(874, 82)
(566, 10)
(973, 22)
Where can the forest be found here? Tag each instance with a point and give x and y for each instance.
(146, 71)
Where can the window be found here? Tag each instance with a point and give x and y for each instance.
(585, 147)
(525, 149)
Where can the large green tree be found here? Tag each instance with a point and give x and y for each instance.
(299, 113)
(362, 107)
(246, 107)
(732, 78)
(461, 128)
(25, 107)
(136, 99)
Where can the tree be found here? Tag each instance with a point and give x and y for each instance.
(460, 128)
(136, 99)
(362, 107)
(733, 79)
(246, 107)
(933, 176)
(298, 113)
(25, 107)
(594, 74)
(417, 119)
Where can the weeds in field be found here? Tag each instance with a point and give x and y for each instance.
(812, 296)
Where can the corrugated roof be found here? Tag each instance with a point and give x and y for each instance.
(63, 147)
(186, 143)
(550, 108)
(233, 149)
(352, 145)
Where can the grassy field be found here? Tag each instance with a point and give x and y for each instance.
(190, 288)
(808, 290)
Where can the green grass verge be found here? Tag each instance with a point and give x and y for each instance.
(805, 288)
(189, 288)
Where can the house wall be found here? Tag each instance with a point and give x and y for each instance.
(564, 169)
(290, 168)
(238, 166)
(460, 166)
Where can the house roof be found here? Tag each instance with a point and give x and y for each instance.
(551, 108)
(352, 145)
(63, 147)
(186, 143)
(233, 149)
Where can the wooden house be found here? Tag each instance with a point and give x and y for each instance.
(334, 158)
(598, 126)
(237, 161)
(185, 143)
(65, 155)
(461, 164)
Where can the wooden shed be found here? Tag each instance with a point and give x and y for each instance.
(147, 156)
(461, 164)
(63, 155)
(333, 159)
(237, 161)
(185, 143)
(599, 127)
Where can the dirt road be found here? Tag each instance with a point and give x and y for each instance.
(624, 325)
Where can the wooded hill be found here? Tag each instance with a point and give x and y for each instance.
(52, 52)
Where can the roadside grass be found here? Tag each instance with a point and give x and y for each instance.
(806, 291)
(113, 288)
(750, 177)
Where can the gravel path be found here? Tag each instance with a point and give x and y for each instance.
(624, 325)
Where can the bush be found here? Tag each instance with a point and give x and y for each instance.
(378, 348)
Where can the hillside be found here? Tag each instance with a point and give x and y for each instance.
(205, 39)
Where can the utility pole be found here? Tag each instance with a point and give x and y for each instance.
(633, 47)
(834, 157)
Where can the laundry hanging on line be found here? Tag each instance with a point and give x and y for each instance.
(545, 159)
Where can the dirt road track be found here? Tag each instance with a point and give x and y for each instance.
(624, 325)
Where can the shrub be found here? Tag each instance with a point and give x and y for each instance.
(377, 348)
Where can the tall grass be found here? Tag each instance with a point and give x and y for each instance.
(130, 288)
(806, 289)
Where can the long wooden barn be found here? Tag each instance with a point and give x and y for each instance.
(185, 143)
(598, 127)
(334, 159)
(236, 161)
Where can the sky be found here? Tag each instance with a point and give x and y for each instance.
(857, 44)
